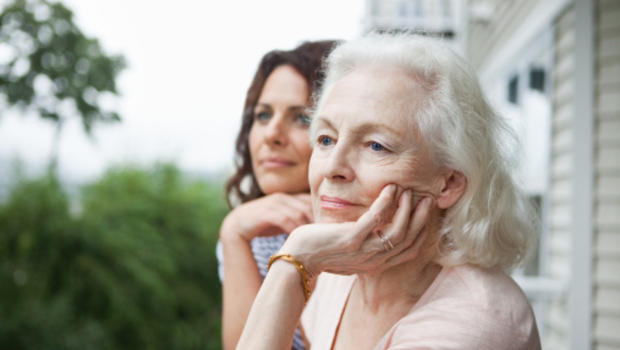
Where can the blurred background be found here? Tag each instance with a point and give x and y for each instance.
(117, 128)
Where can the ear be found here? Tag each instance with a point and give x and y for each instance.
(453, 187)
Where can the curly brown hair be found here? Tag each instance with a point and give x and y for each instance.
(307, 59)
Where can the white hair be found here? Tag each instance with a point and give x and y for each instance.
(491, 225)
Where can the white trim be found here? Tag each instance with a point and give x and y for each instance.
(580, 293)
(542, 16)
(541, 288)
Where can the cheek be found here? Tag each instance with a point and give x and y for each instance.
(371, 185)
(301, 143)
(403, 175)
(315, 178)
(253, 141)
(314, 172)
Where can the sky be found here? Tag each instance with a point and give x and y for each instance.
(189, 65)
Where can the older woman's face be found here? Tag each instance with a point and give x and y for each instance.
(366, 137)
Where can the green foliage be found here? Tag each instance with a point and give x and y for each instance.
(134, 268)
(53, 68)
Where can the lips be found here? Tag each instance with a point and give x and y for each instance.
(276, 162)
(328, 202)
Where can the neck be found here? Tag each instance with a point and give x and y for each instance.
(401, 284)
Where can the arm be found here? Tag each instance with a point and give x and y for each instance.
(344, 248)
(276, 312)
(242, 282)
(269, 215)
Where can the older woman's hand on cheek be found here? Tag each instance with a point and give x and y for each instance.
(352, 247)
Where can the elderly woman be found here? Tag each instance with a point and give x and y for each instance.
(417, 216)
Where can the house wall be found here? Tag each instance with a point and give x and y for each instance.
(487, 43)
(494, 42)
(606, 278)
(560, 209)
(486, 37)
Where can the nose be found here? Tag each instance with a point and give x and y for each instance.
(339, 164)
(276, 133)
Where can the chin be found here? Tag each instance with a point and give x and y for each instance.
(282, 184)
(330, 217)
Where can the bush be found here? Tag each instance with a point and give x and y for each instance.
(134, 269)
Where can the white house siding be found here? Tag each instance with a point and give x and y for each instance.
(486, 41)
(486, 37)
(606, 292)
(561, 177)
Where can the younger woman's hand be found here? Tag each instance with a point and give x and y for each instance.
(266, 216)
(352, 247)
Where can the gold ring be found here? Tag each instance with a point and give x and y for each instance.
(387, 244)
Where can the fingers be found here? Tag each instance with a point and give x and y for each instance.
(301, 203)
(410, 252)
(283, 213)
(394, 234)
(302, 196)
(419, 218)
(376, 214)
(325, 248)
(416, 235)
(405, 231)
(289, 218)
(398, 229)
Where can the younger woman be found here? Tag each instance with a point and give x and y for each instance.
(271, 181)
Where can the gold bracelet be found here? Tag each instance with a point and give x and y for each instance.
(305, 276)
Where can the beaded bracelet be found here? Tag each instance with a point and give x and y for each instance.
(305, 278)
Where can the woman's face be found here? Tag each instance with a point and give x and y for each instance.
(278, 139)
(366, 138)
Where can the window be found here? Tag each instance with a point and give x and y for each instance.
(513, 89)
(520, 93)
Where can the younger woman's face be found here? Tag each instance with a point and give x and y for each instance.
(278, 140)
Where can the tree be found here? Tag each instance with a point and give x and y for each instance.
(52, 68)
(131, 266)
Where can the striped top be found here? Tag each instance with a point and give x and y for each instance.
(262, 249)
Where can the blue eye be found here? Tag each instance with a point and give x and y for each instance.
(325, 140)
(262, 116)
(375, 146)
(303, 119)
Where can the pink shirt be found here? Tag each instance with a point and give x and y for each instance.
(465, 307)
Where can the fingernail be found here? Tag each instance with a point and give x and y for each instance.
(391, 189)
(405, 196)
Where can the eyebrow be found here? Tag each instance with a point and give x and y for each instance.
(321, 119)
(364, 128)
(291, 108)
(369, 127)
